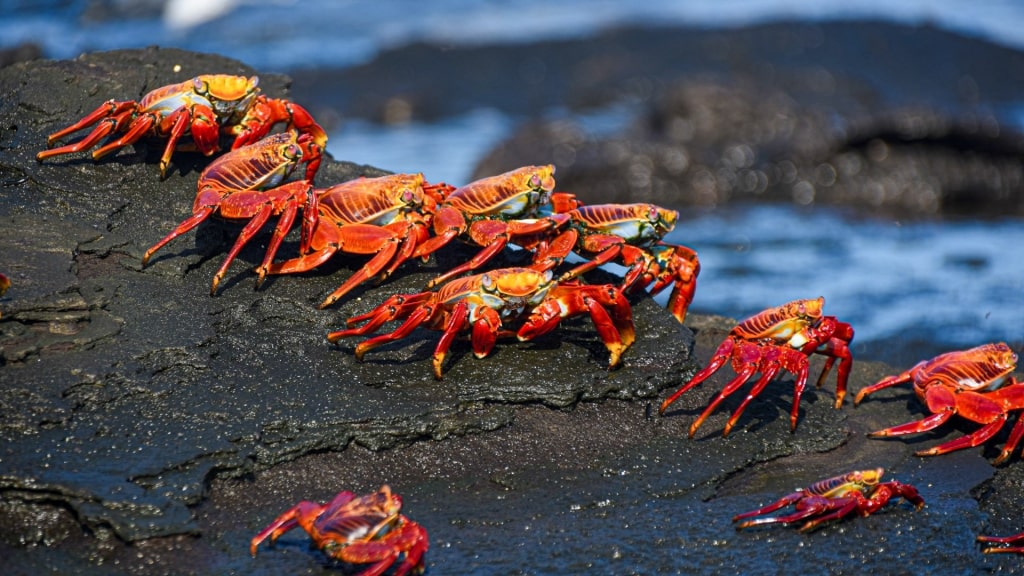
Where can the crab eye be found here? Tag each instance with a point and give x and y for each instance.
(200, 86)
(293, 151)
(487, 283)
(535, 181)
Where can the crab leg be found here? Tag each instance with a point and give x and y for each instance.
(1003, 540)
(418, 316)
(285, 522)
(138, 129)
(397, 306)
(113, 114)
(189, 223)
(616, 329)
(242, 204)
(718, 359)
(494, 236)
(885, 383)
(1011, 444)
(929, 423)
(806, 507)
(978, 437)
(457, 320)
(742, 376)
(773, 360)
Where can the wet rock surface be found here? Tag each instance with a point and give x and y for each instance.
(148, 427)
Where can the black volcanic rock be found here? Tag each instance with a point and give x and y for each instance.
(127, 388)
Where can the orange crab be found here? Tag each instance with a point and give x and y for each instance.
(1014, 544)
(977, 384)
(357, 530)
(630, 233)
(247, 183)
(859, 492)
(387, 217)
(204, 107)
(491, 213)
(780, 338)
(484, 303)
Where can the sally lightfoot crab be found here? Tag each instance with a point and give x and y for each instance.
(976, 384)
(386, 217)
(630, 234)
(248, 183)
(357, 530)
(484, 303)
(860, 492)
(205, 107)
(780, 338)
(491, 213)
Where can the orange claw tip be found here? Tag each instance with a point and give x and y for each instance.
(5, 283)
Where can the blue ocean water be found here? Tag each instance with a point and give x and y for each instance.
(954, 283)
(282, 35)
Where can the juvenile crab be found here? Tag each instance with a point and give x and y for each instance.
(357, 530)
(977, 384)
(491, 213)
(1014, 544)
(780, 338)
(859, 492)
(204, 107)
(630, 233)
(247, 184)
(484, 303)
(387, 217)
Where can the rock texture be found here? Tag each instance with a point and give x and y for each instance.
(147, 427)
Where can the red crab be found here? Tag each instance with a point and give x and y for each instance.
(204, 106)
(483, 303)
(5, 283)
(780, 338)
(859, 492)
(491, 213)
(247, 184)
(1017, 541)
(977, 384)
(630, 233)
(355, 529)
(387, 217)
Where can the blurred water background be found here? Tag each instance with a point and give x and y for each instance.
(912, 288)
